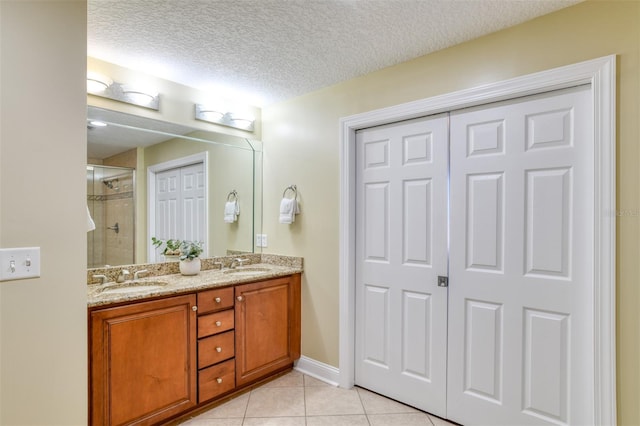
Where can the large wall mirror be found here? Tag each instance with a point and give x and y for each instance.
(147, 178)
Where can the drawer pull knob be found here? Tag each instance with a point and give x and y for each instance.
(218, 300)
(218, 349)
(219, 380)
(240, 298)
(218, 323)
(194, 308)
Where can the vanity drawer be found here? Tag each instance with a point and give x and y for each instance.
(216, 380)
(215, 300)
(215, 323)
(216, 348)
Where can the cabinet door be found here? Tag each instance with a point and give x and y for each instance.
(143, 361)
(267, 327)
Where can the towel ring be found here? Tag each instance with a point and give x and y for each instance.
(233, 194)
(292, 188)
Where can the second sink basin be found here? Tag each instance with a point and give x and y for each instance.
(133, 286)
(247, 271)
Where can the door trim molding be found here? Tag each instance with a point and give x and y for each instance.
(201, 157)
(601, 74)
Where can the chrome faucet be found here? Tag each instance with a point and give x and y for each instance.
(137, 274)
(122, 277)
(237, 260)
(103, 278)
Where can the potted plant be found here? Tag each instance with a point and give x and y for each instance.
(190, 252)
(171, 250)
(187, 252)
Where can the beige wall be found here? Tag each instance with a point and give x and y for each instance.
(301, 141)
(43, 353)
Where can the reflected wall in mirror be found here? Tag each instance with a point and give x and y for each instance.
(180, 181)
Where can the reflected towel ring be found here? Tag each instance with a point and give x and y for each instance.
(233, 194)
(291, 188)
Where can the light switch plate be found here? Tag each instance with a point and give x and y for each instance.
(19, 263)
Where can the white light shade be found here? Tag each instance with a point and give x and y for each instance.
(222, 115)
(97, 83)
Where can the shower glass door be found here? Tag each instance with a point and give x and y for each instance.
(111, 202)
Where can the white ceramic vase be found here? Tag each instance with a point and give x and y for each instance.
(190, 267)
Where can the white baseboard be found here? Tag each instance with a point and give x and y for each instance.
(318, 370)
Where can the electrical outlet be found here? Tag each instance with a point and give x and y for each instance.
(261, 240)
(19, 263)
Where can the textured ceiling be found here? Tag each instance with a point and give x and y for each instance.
(265, 51)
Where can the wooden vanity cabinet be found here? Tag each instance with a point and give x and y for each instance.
(267, 327)
(156, 360)
(143, 361)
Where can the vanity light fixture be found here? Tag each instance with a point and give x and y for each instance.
(97, 83)
(97, 123)
(217, 115)
(102, 86)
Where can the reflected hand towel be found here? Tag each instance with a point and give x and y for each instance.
(91, 225)
(231, 211)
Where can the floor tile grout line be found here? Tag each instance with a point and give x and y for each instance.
(364, 410)
(304, 397)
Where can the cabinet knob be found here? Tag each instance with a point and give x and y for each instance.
(194, 308)
(240, 298)
(218, 349)
(218, 300)
(219, 380)
(218, 323)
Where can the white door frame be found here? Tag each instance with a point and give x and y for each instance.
(202, 157)
(601, 74)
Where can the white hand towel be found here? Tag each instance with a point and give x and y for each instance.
(231, 211)
(288, 210)
(91, 225)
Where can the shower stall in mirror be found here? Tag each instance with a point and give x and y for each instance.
(111, 202)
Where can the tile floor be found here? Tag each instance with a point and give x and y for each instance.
(296, 399)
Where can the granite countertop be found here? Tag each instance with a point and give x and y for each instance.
(173, 284)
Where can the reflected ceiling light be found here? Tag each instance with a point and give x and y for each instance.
(98, 123)
(217, 115)
(104, 87)
(138, 97)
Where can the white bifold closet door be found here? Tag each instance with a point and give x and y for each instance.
(510, 341)
(401, 248)
(521, 294)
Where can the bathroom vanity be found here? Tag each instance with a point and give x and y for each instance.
(188, 341)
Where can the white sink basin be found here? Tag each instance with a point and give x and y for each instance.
(133, 287)
(247, 271)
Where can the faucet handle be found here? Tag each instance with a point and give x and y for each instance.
(137, 274)
(123, 275)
